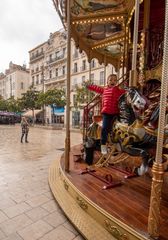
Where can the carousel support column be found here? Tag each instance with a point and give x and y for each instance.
(67, 139)
(133, 72)
(124, 54)
(105, 64)
(157, 181)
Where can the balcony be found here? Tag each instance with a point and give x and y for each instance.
(36, 57)
(52, 60)
(83, 68)
(75, 70)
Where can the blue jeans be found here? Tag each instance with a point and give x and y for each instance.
(108, 120)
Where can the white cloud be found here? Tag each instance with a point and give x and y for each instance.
(24, 24)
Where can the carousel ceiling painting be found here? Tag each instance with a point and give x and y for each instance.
(82, 7)
(99, 27)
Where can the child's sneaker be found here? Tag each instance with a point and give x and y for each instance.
(104, 149)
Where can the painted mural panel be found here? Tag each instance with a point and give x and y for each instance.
(80, 7)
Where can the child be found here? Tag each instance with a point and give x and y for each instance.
(110, 96)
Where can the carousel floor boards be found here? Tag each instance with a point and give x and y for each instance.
(100, 210)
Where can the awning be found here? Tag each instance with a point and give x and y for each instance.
(59, 111)
(59, 114)
(30, 113)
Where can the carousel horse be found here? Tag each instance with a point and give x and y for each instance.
(128, 130)
(135, 130)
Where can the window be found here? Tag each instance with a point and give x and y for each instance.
(63, 70)
(50, 57)
(92, 77)
(93, 65)
(75, 55)
(75, 67)
(37, 79)
(33, 80)
(83, 65)
(50, 73)
(42, 77)
(74, 99)
(74, 81)
(56, 72)
(83, 79)
(63, 51)
(22, 85)
(56, 54)
(101, 78)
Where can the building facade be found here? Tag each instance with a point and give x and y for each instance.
(48, 70)
(2, 85)
(14, 82)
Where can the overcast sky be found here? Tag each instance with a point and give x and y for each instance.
(24, 24)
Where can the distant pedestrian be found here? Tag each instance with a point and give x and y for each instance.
(25, 129)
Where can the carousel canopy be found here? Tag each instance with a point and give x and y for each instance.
(104, 28)
(100, 28)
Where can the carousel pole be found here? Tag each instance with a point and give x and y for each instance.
(67, 139)
(157, 170)
(133, 75)
(105, 64)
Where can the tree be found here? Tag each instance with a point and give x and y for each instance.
(13, 105)
(54, 97)
(83, 96)
(3, 104)
(29, 100)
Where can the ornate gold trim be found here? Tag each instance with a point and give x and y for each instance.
(115, 231)
(82, 203)
(88, 217)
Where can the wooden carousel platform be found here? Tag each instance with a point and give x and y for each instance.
(100, 211)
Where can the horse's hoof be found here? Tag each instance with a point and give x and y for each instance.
(142, 170)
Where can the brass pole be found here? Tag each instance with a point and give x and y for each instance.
(67, 139)
(146, 28)
(157, 181)
(105, 64)
(133, 73)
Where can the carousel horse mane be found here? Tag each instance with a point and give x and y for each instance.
(131, 105)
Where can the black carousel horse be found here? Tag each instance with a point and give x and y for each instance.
(128, 130)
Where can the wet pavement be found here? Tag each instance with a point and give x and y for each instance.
(27, 208)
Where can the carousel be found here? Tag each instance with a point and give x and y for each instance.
(123, 194)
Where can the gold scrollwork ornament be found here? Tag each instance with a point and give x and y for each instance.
(115, 231)
(66, 186)
(82, 204)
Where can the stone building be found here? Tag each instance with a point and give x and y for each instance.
(14, 82)
(48, 70)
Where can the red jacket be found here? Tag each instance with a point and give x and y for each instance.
(110, 96)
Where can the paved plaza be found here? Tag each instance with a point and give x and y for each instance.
(27, 208)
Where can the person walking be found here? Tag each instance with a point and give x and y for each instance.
(110, 96)
(25, 129)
